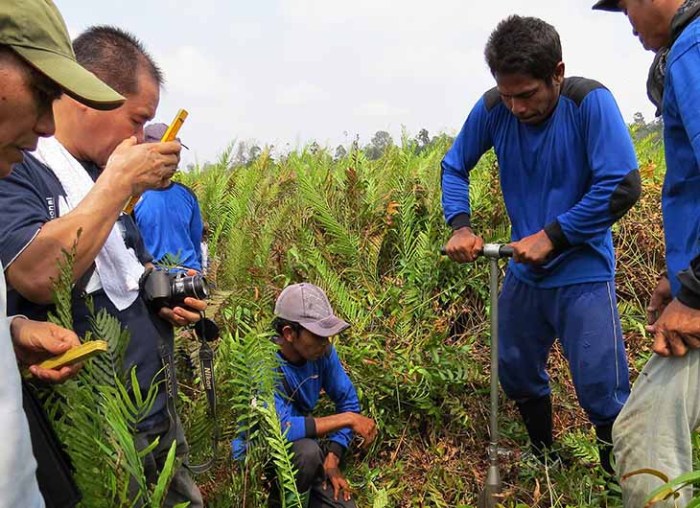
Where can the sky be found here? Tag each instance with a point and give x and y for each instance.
(288, 72)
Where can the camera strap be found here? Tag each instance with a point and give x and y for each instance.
(206, 367)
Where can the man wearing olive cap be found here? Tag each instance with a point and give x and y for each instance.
(37, 65)
(304, 322)
(655, 428)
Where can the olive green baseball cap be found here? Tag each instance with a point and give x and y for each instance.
(35, 30)
(607, 5)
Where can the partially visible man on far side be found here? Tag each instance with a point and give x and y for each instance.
(654, 429)
(37, 65)
(169, 218)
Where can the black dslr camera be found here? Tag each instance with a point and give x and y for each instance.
(160, 288)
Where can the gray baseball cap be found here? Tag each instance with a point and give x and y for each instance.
(153, 133)
(308, 305)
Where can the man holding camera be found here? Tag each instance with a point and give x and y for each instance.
(73, 187)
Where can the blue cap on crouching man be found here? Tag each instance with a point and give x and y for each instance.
(308, 305)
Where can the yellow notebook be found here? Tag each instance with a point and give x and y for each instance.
(75, 355)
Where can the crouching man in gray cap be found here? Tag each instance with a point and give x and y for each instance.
(304, 321)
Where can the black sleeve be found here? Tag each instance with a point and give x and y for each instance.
(338, 449)
(459, 221)
(690, 284)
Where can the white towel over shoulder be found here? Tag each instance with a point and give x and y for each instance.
(118, 268)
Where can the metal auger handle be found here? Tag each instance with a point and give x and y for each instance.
(497, 251)
(491, 250)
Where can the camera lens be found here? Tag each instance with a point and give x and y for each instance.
(200, 288)
(194, 286)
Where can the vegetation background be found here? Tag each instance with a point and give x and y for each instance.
(366, 224)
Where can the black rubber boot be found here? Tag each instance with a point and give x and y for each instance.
(537, 416)
(604, 434)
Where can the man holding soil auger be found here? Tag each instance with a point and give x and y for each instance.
(568, 171)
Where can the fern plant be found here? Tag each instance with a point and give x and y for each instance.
(251, 400)
(96, 413)
(369, 233)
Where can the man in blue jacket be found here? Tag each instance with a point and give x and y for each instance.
(304, 321)
(568, 172)
(655, 428)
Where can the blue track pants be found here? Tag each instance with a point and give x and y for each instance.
(585, 320)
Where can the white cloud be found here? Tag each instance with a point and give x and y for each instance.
(299, 94)
(190, 72)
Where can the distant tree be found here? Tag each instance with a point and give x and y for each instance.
(314, 148)
(340, 153)
(253, 153)
(422, 140)
(423, 137)
(641, 129)
(246, 153)
(379, 144)
(241, 156)
(355, 145)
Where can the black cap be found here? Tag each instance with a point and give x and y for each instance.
(607, 5)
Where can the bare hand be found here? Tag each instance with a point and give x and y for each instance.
(676, 330)
(464, 246)
(341, 487)
(186, 315)
(36, 341)
(365, 427)
(660, 298)
(534, 249)
(144, 166)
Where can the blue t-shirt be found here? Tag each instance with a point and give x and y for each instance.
(573, 175)
(171, 223)
(31, 196)
(681, 192)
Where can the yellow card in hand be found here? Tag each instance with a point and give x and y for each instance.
(75, 355)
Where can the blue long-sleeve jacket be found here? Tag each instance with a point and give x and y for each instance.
(573, 175)
(295, 402)
(304, 383)
(171, 224)
(681, 192)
